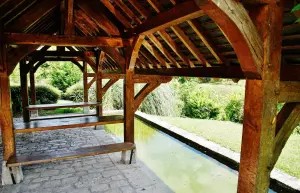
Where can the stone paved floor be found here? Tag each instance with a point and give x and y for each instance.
(102, 173)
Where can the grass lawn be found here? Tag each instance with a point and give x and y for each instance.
(61, 110)
(229, 135)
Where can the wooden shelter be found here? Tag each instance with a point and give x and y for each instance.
(149, 41)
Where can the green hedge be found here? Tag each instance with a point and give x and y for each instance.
(45, 94)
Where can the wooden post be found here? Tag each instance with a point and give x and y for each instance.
(99, 83)
(6, 122)
(85, 87)
(260, 108)
(24, 90)
(33, 92)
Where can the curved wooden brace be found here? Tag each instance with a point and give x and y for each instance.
(236, 24)
(135, 48)
(39, 64)
(144, 92)
(108, 85)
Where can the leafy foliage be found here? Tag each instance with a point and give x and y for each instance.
(45, 94)
(296, 8)
(199, 105)
(234, 109)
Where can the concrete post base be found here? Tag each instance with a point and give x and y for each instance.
(13, 176)
(99, 127)
(128, 157)
(34, 114)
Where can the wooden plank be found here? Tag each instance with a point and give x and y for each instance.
(289, 91)
(78, 153)
(240, 30)
(137, 78)
(176, 15)
(24, 91)
(260, 109)
(55, 124)
(64, 40)
(68, 115)
(190, 45)
(155, 5)
(61, 105)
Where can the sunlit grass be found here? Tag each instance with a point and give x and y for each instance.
(229, 135)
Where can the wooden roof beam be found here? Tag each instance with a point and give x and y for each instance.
(240, 30)
(65, 40)
(172, 44)
(176, 15)
(69, 26)
(139, 8)
(190, 45)
(99, 18)
(116, 13)
(201, 34)
(128, 11)
(155, 53)
(163, 50)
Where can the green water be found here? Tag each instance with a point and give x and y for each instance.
(182, 168)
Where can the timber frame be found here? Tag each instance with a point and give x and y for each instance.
(150, 41)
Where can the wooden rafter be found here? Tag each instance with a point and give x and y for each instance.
(167, 38)
(190, 45)
(128, 11)
(64, 40)
(163, 50)
(155, 54)
(90, 8)
(238, 27)
(116, 13)
(171, 17)
(139, 8)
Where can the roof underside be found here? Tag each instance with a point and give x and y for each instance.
(193, 43)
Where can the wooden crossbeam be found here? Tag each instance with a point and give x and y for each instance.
(215, 72)
(64, 40)
(176, 15)
(139, 8)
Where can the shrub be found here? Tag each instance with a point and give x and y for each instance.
(63, 75)
(234, 109)
(162, 101)
(199, 105)
(45, 94)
